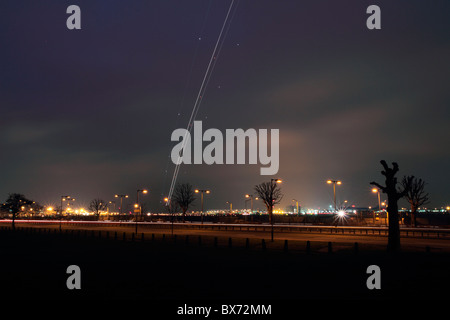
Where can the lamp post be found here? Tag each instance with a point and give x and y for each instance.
(296, 201)
(202, 191)
(231, 207)
(334, 182)
(63, 198)
(250, 196)
(168, 204)
(138, 206)
(377, 191)
(121, 196)
(272, 181)
(114, 203)
(144, 191)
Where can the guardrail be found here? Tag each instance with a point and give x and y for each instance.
(344, 230)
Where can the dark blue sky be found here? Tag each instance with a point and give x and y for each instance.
(90, 112)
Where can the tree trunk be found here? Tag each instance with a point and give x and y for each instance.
(271, 221)
(413, 216)
(394, 228)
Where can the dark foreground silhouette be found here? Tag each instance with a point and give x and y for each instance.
(34, 267)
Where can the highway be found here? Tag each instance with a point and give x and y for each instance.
(319, 235)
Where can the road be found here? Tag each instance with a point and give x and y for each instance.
(239, 236)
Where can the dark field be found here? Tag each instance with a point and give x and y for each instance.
(33, 266)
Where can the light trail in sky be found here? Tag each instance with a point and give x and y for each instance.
(201, 92)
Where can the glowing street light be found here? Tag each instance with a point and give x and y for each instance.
(250, 196)
(334, 182)
(121, 196)
(166, 202)
(138, 205)
(377, 191)
(169, 208)
(202, 191)
(144, 191)
(114, 203)
(276, 180)
(64, 198)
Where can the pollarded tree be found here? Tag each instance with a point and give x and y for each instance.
(393, 195)
(416, 195)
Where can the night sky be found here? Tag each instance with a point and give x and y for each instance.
(89, 113)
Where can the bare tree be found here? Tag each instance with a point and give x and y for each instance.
(416, 195)
(98, 205)
(393, 195)
(183, 197)
(270, 194)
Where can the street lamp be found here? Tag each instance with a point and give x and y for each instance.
(114, 203)
(334, 182)
(202, 191)
(168, 204)
(276, 180)
(172, 212)
(166, 200)
(144, 191)
(231, 206)
(296, 201)
(138, 205)
(376, 190)
(121, 196)
(63, 198)
(250, 196)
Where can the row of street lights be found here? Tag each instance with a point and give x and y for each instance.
(338, 182)
(250, 197)
(334, 182)
(207, 191)
(137, 205)
(202, 191)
